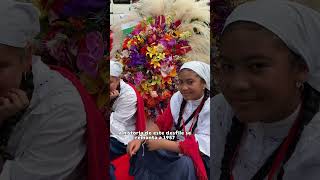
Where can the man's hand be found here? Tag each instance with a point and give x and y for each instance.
(114, 94)
(13, 102)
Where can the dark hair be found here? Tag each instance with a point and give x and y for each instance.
(195, 73)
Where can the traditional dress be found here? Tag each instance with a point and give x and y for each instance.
(287, 149)
(193, 161)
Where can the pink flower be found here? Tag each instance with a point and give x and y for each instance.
(165, 70)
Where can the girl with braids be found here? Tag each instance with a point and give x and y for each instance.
(188, 112)
(266, 120)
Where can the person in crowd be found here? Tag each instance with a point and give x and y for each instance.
(185, 155)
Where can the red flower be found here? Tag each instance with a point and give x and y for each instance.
(151, 102)
(125, 43)
(176, 24)
(143, 50)
(166, 95)
(181, 50)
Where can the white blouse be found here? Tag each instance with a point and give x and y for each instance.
(260, 141)
(123, 119)
(202, 131)
(48, 142)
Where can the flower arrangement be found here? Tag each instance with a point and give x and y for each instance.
(74, 35)
(154, 40)
(152, 52)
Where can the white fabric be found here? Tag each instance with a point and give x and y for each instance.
(296, 25)
(202, 131)
(201, 68)
(266, 137)
(115, 68)
(19, 23)
(48, 143)
(303, 164)
(123, 117)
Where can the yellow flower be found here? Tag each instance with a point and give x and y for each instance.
(176, 34)
(140, 40)
(151, 51)
(155, 62)
(146, 86)
(185, 35)
(169, 19)
(160, 56)
(155, 80)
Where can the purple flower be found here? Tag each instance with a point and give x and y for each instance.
(133, 48)
(164, 43)
(90, 53)
(136, 59)
(183, 42)
(87, 63)
(172, 42)
(168, 44)
(138, 78)
(94, 42)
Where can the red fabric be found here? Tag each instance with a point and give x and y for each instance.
(190, 147)
(122, 168)
(165, 120)
(96, 133)
(140, 118)
(111, 40)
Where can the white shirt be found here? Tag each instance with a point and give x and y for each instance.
(266, 138)
(303, 164)
(48, 142)
(123, 119)
(202, 131)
